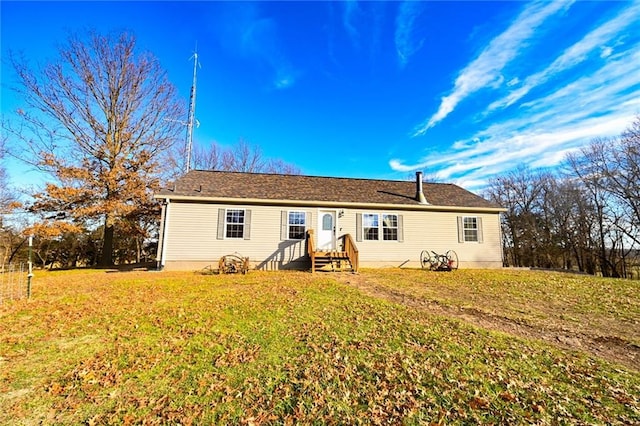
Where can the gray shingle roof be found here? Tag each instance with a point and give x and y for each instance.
(274, 187)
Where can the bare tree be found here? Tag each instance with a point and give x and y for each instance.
(592, 167)
(623, 178)
(7, 197)
(101, 119)
(8, 203)
(587, 218)
(426, 177)
(519, 192)
(242, 157)
(610, 170)
(569, 223)
(208, 159)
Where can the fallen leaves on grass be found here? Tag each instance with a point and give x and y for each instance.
(279, 348)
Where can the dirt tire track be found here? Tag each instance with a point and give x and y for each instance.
(610, 348)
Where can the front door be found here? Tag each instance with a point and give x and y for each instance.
(327, 230)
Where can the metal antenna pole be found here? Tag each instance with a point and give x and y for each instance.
(192, 111)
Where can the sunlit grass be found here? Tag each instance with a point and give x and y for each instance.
(271, 348)
(607, 307)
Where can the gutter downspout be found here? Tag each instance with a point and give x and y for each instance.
(162, 243)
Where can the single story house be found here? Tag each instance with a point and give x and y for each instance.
(280, 221)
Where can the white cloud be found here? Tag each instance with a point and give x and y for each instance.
(406, 46)
(284, 81)
(605, 51)
(246, 31)
(398, 166)
(349, 15)
(576, 54)
(513, 81)
(261, 40)
(602, 103)
(486, 69)
(595, 92)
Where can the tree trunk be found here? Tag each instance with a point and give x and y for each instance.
(106, 259)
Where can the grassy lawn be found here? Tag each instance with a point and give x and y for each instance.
(545, 300)
(93, 347)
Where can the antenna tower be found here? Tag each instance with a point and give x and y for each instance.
(192, 111)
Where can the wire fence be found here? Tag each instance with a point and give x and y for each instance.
(13, 282)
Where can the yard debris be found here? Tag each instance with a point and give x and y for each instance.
(233, 263)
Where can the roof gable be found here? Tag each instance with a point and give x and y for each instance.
(276, 187)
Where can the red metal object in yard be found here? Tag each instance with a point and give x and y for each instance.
(439, 262)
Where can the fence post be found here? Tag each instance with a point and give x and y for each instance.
(30, 268)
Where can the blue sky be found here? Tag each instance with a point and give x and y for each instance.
(459, 90)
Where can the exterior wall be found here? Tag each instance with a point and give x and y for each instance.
(190, 238)
(432, 231)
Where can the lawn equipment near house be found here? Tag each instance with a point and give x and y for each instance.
(429, 259)
(233, 264)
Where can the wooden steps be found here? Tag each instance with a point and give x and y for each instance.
(334, 261)
(346, 259)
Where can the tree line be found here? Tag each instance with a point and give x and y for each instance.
(586, 217)
(102, 122)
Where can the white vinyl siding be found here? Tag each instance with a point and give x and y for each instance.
(427, 230)
(190, 236)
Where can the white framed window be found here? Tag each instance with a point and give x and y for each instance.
(234, 223)
(390, 227)
(370, 226)
(297, 225)
(381, 226)
(470, 229)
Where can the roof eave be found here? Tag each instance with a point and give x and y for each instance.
(337, 204)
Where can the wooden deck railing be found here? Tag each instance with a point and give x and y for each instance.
(349, 246)
(311, 249)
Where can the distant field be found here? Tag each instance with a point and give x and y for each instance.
(380, 347)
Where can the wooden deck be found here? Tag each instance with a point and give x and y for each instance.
(345, 259)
